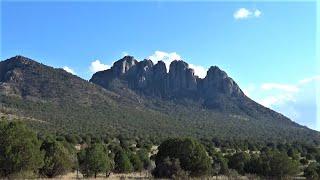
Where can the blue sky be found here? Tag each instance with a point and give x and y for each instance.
(269, 48)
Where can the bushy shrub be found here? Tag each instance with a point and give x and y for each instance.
(20, 154)
(191, 155)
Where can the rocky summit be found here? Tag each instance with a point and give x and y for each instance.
(180, 81)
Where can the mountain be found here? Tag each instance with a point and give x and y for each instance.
(152, 79)
(217, 91)
(140, 99)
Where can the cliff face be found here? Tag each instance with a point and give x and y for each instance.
(180, 81)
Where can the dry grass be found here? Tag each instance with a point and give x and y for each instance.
(142, 175)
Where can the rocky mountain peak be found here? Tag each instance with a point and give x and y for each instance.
(10, 68)
(19, 60)
(160, 69)
(180, 81)
(218, 81)
(181, 77)
(215, 71)
(122, 66)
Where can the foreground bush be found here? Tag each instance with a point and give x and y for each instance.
(170, 168)
(312, 172)
(57, 159)
(273, 164)
(122, 162)
(20, 154)
(190, 154)
(94, 160)
(238, 162)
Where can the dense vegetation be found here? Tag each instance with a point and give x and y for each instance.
(55, 101)
(119, 131)
(24, 153)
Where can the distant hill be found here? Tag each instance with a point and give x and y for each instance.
(140, 99)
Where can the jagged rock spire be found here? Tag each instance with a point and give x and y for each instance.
(148, 78)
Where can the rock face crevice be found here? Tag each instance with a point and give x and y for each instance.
(153, 79)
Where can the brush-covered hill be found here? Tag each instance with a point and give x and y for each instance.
(140, 99)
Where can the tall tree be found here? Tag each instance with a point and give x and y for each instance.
(57, 159)
(19, 150)
(122, 162)
(93, 160)
(238, 161)
(136, 162)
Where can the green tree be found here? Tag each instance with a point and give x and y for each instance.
(170, 168)
(70, 138)
(304, 161)
(273, 164)
(144, 157)
(136, 162)
(57, 159)
(238, 162)
(19, 150)
(122, 162)
(94, 160)
(281, 165)
(293, 153)
(312, 172)
(219, 163)
(191, 154)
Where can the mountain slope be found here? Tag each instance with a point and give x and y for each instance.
(217, 91)
(139, 103)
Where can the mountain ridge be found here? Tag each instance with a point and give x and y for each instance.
(142, 75)
(134, 105)
(179, 82)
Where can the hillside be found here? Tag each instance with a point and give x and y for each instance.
(140, 99)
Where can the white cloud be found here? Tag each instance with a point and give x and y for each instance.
(277, 86)
(277, 99)
(199, 70)
(69, 70)
(257, 13)
(98, 66)
(244, 13)
(167, 58)
(296, 101)
(310, 79)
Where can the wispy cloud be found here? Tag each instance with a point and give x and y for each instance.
(69, 70)
(124, 53)
(278, 86)
(98, 66)
(297, 100)
(168, 57)
(310, 79)
(277, 99)
(244, 13)
(282, 93)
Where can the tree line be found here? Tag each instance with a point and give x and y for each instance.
(26, 154)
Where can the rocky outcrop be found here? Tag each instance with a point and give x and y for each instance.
(180, 81)
(119, 69)
(181, 77)
(217, 81)
(123, 65)
(10, 70)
